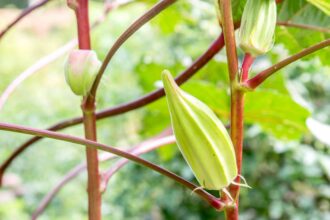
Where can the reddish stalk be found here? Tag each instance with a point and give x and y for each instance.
(237, 100)
(80, 8)
(262, 76)
(247, 62)
(303, 26)
(94, 180)
(213, 201)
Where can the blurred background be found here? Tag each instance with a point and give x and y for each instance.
(286, 160)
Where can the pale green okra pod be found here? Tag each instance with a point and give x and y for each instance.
(202, 138)
(81, 69)
(256, 34)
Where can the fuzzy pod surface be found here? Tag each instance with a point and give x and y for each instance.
(201, 137)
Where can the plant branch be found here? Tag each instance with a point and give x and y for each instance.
(262, 76)
(229, 35)
(24, 13)
(80, 8)
(237, 100)
(142, 149)
(214, 48)
(303, 26)
(81, 167)
(247, 63)
(159, 7)
(213, 201)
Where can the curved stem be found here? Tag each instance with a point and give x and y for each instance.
(213, 201)
(262, 76)
(214, 48)
(140, 150)
(159, 7)
(303, 26)
(81, 167)
(24, 13)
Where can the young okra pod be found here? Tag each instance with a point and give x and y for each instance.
(256, 34)
(201, 137)
(80, 70)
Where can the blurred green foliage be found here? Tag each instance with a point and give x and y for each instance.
(14, 3)
(286, 166)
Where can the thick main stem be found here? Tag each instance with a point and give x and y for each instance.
(237, 101)
(237, 130)
(93, 186)
(236, 133)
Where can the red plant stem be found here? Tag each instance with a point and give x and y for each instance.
(237, 99)
(262, 76)
(303, 26)
(214, 48)
(247, 62)
(229, 35)
(93, 183)
(236, 133)
(213, 201)
(82, 17)
(24, 13)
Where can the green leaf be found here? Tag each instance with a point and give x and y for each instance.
(324, 5)
(276, 83)
(167, 152)
(296, 40)
(304, 13)
(276, 113)
(271, 108)
(215, 72)
(237, 8)
(313, 27)
(216, 98)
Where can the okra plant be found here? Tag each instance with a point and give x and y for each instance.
(205, 119)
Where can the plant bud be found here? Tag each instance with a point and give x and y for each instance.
(256, 35)
(81, 69)
(201, 137)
